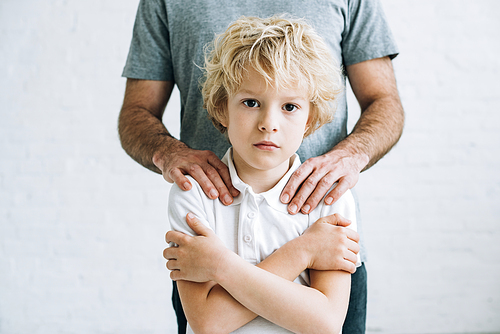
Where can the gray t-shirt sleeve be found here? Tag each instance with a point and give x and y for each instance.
(149, 56)
(367, 34)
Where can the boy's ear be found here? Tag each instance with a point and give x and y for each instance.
(223, 118)
(223, 121)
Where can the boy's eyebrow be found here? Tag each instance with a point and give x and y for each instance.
(247, 91)
(292, 97)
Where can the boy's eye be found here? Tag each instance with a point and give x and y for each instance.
(251, 103)
(290, 107)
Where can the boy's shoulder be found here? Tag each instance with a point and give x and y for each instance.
(181, 202)
(177, 196)
(345, 206)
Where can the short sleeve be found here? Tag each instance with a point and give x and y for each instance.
(149, 55)
(346, 207)
(367, 34)
(180, 203)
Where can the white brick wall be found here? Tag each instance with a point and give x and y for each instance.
(82, 225)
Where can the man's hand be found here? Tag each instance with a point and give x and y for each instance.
(145, 138)
(312, 180)
(330, 245)
(378, 129)
(204, 166)
(195, 258)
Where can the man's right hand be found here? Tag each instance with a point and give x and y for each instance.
(330, 245)
(204, 166)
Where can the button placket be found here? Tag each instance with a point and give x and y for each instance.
(248, 228)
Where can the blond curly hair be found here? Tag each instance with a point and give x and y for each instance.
(286, 52)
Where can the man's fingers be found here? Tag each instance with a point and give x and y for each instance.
(322, 187)
(223, 171)
(200, 175)
(338, 191)
(306, 189)
(294, 183)
(224, 194)
(208, 170)
(319, 192)
(175, 175)
(298, 200)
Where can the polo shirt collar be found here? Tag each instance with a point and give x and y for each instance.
(271, 196)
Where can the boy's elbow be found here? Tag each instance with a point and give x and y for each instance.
(207, 326)
(201, 328)
(328, 324)
(334, 328)
(327, 327)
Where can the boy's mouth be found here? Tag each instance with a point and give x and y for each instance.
(266, 145)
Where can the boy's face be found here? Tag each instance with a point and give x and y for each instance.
(265, 126)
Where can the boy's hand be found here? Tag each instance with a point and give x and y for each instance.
(332, 246)
(204, 166)
(311, 181)
(195, 258)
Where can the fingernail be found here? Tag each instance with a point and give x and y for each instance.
(190, 215)
(328, 200)
(213, 194)
(293, 208)
(227, 200)
(186, 185)
(306, 208)
(285, 198)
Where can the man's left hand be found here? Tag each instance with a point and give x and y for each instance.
(316, 176)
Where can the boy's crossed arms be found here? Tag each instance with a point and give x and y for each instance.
(226, 292)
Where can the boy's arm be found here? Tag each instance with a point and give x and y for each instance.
(319, 247)
(298, 308)
(209, 307)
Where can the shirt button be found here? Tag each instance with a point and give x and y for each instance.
(251, 215)
(247, 238)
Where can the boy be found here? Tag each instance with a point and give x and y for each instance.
(269, 83)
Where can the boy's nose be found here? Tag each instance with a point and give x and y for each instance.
(268, 122)
(268, 128)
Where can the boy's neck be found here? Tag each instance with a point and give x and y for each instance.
(260, 180)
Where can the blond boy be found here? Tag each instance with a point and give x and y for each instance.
(269, 83)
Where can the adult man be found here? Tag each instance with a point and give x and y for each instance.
(168, 42)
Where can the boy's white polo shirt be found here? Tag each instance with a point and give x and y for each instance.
(254, 225)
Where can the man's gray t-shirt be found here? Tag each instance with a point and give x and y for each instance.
(170, 35)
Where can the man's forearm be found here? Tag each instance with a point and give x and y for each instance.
(381, 122)
(142, 135)
(141, 130)
(378, 129)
